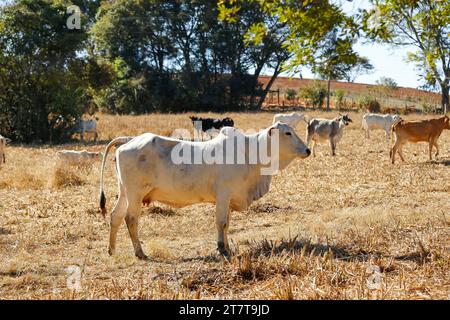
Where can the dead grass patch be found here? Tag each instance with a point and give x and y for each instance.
(325, 225)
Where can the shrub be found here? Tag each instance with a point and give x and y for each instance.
(339, 98)
(427, 108)
(291, 94)
(367, 102)
(313, 95)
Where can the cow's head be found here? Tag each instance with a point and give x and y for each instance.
(446, 123)
(345, 119)
(290, 145)
(228, 122)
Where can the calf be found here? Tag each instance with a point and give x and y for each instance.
(77, 158)
(372, 121)
(205, 124)
(291, 119)
(325, 129)
(418, 131)
(3, 142)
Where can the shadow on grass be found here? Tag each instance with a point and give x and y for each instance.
(305, 247)
(149, 209)
(445, 162)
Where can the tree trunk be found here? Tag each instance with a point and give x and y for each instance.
(445, 97)
(328, 94)
(269, 85)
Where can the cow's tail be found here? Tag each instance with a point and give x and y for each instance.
(306, 119)
(394, 126)
(114, 143)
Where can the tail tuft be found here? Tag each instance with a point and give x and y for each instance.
(103, 203)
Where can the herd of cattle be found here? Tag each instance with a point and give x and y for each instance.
(146, 172)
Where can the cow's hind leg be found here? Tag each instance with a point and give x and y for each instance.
(400, 152)
(222, 223)
(132, 218)
(393, 152)
(117, 215)
(333, 147)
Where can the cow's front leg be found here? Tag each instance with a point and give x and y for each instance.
(222, 223)
(314, 148)
(430, 149)
(437, 149)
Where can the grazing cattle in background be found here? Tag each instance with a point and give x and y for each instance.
(3, 142)
(87, 127)
(74, 158)
(417, 131)
(146, 172)
(372, 121)
(325, 129)
(206, 124)
(291, 119)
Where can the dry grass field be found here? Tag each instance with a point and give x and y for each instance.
(346, 227)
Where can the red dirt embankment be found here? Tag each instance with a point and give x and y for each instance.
(389, 98)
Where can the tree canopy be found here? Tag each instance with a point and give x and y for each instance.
(421, 24)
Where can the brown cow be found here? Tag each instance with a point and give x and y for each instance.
(417, 131)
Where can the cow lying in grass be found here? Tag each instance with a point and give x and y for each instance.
(291, 119)
(73, 158)
(417, 131)
(147, 172)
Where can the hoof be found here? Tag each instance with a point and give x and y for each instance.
(225, 254)
(141, 256)
(110, 251)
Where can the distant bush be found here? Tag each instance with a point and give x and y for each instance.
(291, 94)
(313, 95)
(427, 108)
(369, 103)
(387, 82)
(339, 98)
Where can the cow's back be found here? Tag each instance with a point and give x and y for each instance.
(416, 131)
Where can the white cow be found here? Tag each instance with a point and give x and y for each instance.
(3, 142)
(87, 127)
(146, 172)
(292, 119)
(73, 158)
(326, 130)
(372, 121)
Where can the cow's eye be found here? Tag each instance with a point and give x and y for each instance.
(288, 134)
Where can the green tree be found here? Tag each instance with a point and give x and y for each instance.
(335, 59)
(41, 85)
(422, 24)
(387, 83)
(360, 67)
(310, 27)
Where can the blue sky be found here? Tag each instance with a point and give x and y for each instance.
(388, 62)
